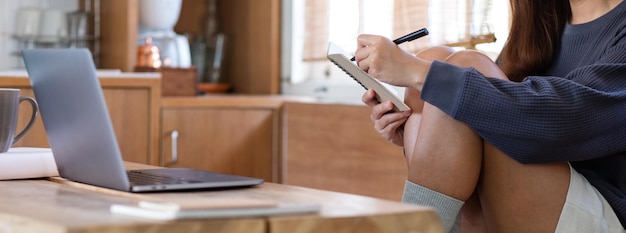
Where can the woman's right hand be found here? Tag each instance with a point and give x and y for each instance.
(387, 123)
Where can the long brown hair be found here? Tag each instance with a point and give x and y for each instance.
(534, 37)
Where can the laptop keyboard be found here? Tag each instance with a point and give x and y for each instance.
(140, 178)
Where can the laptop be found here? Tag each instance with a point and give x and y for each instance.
(80, 132)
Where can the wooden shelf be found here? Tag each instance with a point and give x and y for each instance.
(252, 28)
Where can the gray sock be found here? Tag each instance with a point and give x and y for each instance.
(447, 207)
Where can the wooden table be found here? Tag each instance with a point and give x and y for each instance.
(58, 205)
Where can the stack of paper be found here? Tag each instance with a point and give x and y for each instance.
(27, 162)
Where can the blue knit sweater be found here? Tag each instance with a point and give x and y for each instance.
(576, 112)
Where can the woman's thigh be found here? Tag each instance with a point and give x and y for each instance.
(519, 197)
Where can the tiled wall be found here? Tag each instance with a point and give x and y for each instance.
(9, 58)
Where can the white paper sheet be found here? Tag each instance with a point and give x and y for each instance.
(27, 162)
(170, 211)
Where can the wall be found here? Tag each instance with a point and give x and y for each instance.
(9, 57)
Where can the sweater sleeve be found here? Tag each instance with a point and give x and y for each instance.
(542, 119)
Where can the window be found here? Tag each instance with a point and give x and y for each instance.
(311, 24)
(9, 46)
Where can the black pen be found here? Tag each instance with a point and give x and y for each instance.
(409, 37)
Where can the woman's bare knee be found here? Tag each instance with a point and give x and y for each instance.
(477, 60)
(435, 53)
(411, 95)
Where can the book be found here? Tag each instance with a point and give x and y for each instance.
(26, 163)
(210, 208)
(383, 93)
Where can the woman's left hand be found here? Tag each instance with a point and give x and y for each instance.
(387, 123)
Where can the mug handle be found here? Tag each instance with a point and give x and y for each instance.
(33, 103)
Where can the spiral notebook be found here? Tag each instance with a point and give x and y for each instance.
(383, 93)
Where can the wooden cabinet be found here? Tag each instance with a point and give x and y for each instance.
(252, 28)
(228, 134)
(135, 132)
(335, 147)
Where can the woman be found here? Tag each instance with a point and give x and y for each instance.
(535, 143)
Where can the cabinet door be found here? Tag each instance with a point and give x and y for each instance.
(335, 147)
(129, 111)
(224, 140)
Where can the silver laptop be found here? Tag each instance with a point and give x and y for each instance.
(81, 135)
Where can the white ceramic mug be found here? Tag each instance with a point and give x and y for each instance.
(27, 23)
(10, 100)
(53, 26)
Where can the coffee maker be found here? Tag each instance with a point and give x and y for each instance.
(157, 19)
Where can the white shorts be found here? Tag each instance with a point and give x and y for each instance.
(586, 210)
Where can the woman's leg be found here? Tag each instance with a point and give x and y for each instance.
(413, 100)
(449, 158)
(473, 219)
(521, 198)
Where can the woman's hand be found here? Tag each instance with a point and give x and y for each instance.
(384, 60)
(387, 123)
